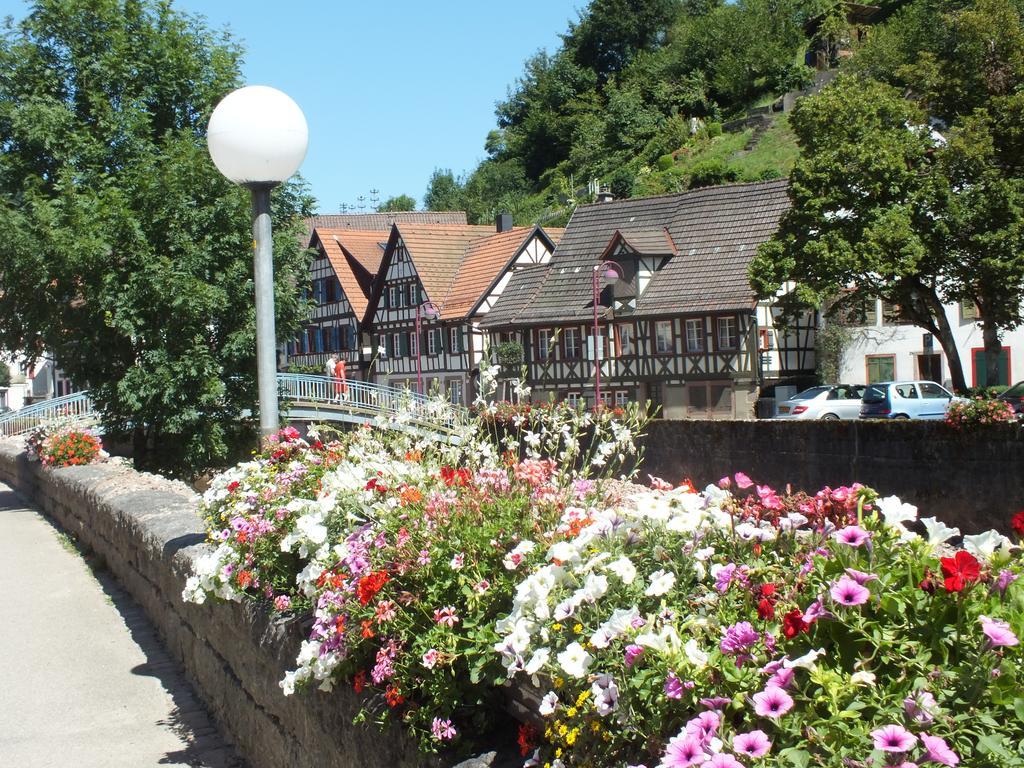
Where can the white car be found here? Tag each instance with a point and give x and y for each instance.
(829, 401)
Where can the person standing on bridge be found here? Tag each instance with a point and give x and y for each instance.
(330, 365)
(340, 380)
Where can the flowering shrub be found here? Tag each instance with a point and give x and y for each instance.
(664, 627)
(962, 413)
(707, 628)
(70, 447)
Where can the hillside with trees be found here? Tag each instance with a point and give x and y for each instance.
(635, 98)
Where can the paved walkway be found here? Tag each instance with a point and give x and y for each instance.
(84, 680)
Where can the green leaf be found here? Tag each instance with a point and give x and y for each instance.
(800, 758)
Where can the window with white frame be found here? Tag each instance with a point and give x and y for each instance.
(627, 339)
(544, 344)
(434, 341)
(728, 333)
(414, 294)
(621, 398)
(455, 391)
(396, 296)
(454, 337)
(396, 345)
(414, 344)
(695, 335)
(572, 342)
(663, 337)
(573, 399)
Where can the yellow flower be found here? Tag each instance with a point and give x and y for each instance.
(556, 627)
(558, 682)
(570, 739)
(595, 726)
(582, 698)
(562, 730)
(571, 712)
(578, 629)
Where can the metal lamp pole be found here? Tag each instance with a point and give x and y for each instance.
(431, 312)
(257, 138)
(610, 270)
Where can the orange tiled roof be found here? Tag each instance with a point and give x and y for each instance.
(345, 246)
(437, 251)
(484, 261)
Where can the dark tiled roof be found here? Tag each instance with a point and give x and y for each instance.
(654, 242)
(716, 231)
(382, 221)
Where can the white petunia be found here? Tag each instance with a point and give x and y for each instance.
(623, 568)
(548, 704)
(938, 533)
(807, 661)
(661, 582)
(984, 545)
(606, 695)
(895, 511)
(540, 658)
(595, 587)
(575, 661)
(666, 641)
(694, 654)
(862, 678)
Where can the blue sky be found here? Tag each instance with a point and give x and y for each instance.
(391, 90)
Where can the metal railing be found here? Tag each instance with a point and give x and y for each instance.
(316, 397)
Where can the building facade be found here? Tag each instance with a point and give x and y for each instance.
(677, 323)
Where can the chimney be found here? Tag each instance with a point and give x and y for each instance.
(503, 223)
(604, 195)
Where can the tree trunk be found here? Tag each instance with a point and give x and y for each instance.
(140, 446)
(929, 312)
(993, 351)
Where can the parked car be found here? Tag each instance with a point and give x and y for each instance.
(1015, 397)
(829, 401)
(905, 400)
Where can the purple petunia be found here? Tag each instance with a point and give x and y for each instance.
(998, 632)
(938, 750)
(738, 639)
(860, 577)
(772, 702)
(683, 751)
(848, 592)
(852, 535)
(752, 744)
(722, 760)
(893, 738)
(673, 686)
(632, 653)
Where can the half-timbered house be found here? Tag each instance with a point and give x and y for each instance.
(451, 276)
(678, 323)
(348, 250)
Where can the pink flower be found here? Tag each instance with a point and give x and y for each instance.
(673, 686)
(772, 702)
(385, 611)
(893, 738)
(632, 653)
(446, 616)
(998, 632)
(725, 482)
(742, 481)
(848, 592)
(430, 658)
(938, 750)
(704, 726)
(920, 707)
(658, 484)
(443, 730)
(282, 602)
(782, 678)
(752, 744)
(683, 751)
(852, 535)
(481, 586)
(457, 561)
(860, 577)
(722, 760)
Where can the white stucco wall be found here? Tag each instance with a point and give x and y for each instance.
(906, 344)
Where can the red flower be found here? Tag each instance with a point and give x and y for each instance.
(393, 697)
(960, 571)
(233, 486)
(793, 624)
(527, 739)
(767, 590)
(766, 609)
(370, 585)
(244, 579)
(928, 582)
(359, 681)
(1017, 523)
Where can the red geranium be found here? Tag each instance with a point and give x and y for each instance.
(359, 681)
(370, 585)
(393, 697)
(793, 624)
(766, 609)
(1017, 523)
(527, 739)
(960, 571)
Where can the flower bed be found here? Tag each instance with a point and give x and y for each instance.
(61, 444)
(659, 627)
(978, 410)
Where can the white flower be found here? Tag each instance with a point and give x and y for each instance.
(895, 511)
(862, 678)
(548, 704)
(457, 561)
(666, 641)
(595, 587)
(694, 654)
(938, 533)
(807, 661)
(661, 582)
(606, 695)
(623, 568)
(792, 521)
(575, 661)
(537, 661)
(984, 545)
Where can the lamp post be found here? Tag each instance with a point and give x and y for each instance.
(257, 138)
(611, 271)
(429, 309)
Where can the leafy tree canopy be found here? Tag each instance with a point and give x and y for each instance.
(126, 254)
(397, 203)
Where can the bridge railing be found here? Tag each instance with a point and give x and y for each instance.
(74, 407)
(364, 400)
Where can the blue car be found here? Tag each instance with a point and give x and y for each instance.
(905, 400)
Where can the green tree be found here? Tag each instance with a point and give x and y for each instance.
(126, 254)
(444, 192)
(611, 32)
(398, 203)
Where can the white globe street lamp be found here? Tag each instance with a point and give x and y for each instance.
(258, 138)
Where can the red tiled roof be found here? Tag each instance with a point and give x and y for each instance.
(345, 246)
(485, 259)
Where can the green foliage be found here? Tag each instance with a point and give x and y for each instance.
(830, 345)
(126, 254)
(5, 375)
(398, 203)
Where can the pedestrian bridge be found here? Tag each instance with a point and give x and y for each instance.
(303, 398)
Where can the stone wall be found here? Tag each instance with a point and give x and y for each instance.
(971, 478)
(148, 531)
